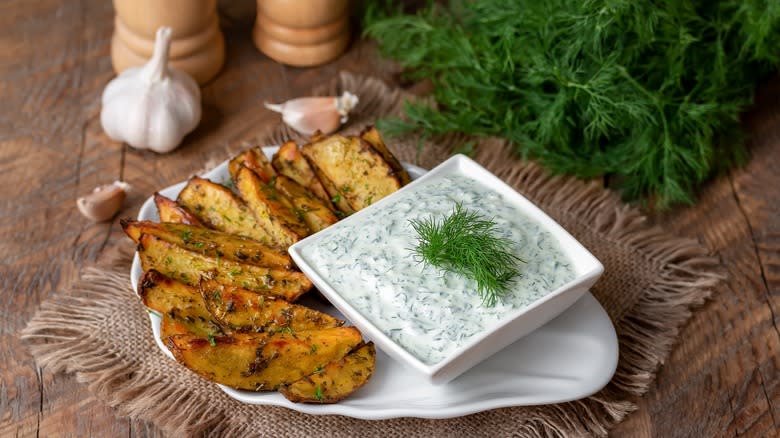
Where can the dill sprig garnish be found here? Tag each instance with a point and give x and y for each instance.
(647, 91)
(468, 244)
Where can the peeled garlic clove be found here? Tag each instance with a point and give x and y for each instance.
(103, 202)
(308, 115)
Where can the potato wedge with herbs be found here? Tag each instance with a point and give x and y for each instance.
(162, 293)
(336, 380)
(255, 159)
(180, 305)
(342, 205)
(314, 211)
(371, 135)
(352, 171)
(262, 362)
(219, 208)
(211, 243)
(270, 208)
(188, 266)
(170, 211)
(178, 322)
(245, 311)
(289, 161)
(171, 325)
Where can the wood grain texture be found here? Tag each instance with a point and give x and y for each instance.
(53, 71)
(722, 379)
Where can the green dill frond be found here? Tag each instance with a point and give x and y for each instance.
(468, 244)
(650, 92)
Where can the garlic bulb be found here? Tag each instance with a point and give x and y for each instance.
(308, 115)
(154, 106)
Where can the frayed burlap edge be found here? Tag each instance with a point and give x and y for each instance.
(63, 335)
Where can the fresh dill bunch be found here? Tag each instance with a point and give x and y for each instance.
(649, 92)
(468, 244)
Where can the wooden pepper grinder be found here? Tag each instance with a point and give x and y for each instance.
(198, 46)
(302, 33)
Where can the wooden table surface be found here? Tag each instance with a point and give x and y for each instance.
(721, 379)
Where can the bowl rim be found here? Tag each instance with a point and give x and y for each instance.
(587, 267)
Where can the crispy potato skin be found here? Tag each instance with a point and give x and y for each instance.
(162, 293)
(180, 323)
(289, 161)
(262, 362)
(170, 326)
(180, 305)
(170, 211)
(211, 243)
(371, 135)
(188, 266)
(353, 169)
(244, 311)
(219, 208)
(336, 381)
(270, 208)
(255, 159)
(315, 213)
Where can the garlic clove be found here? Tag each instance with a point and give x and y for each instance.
(103, 202)
(308, 123)
(308, 115)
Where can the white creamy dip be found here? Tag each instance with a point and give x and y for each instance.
(425, 310)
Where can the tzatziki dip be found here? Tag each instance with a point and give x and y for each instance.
(428, 311)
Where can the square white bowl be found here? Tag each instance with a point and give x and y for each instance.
(513, 325)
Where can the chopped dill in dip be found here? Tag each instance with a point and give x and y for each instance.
(427, 311)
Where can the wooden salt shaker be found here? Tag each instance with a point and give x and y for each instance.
(302, 33)
(198, 46)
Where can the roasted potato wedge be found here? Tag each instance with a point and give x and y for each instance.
(289, 161)
(255, 159)
(351, 170)
(245, 311)
(170, 211)
(170, 326)
(219, 208)
(178, 322)
(336, 381)
(371, 135)
(262, 362)
(162, 293)
(314, 211)
(181, 306)
(342, 205)
(270, 208)
(211, 243)
(188, 266)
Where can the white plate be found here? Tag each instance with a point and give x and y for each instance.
(569, 358)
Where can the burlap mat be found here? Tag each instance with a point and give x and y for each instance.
(99, 330)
